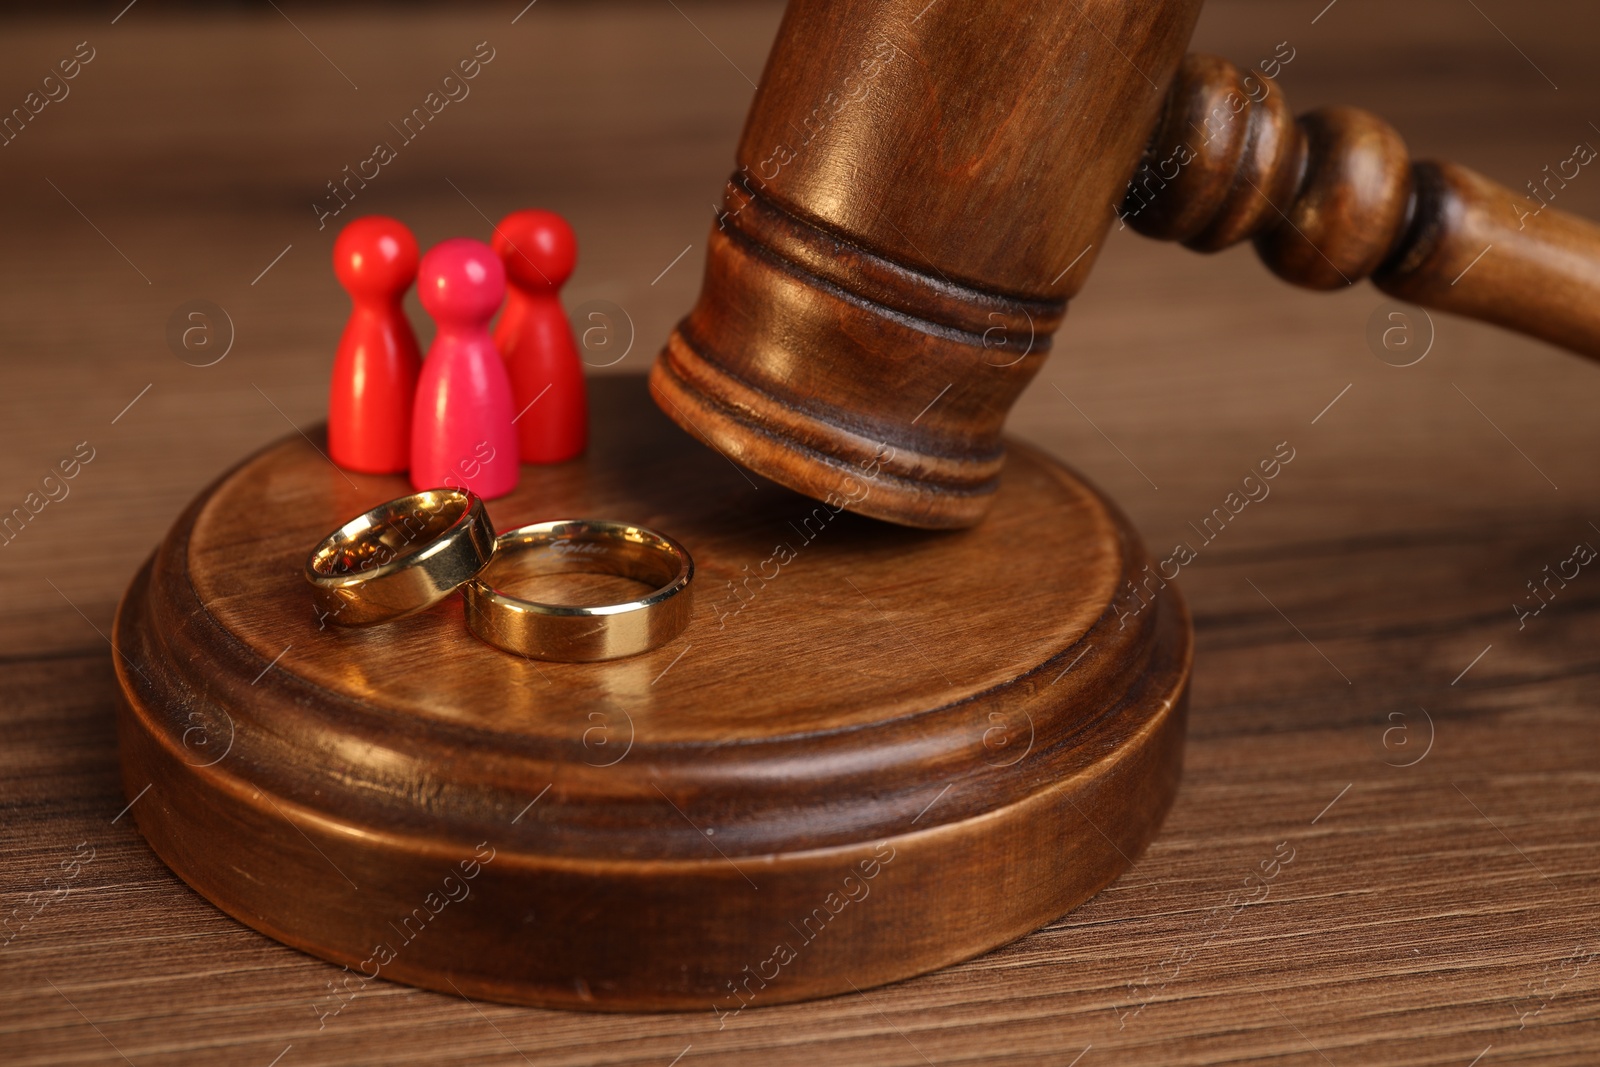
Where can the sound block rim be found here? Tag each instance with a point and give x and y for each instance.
(305, 870)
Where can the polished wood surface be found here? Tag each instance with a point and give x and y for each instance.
(868, 302)
(1333, 198)
(1431, 914)
(914, 201)
(659, 825)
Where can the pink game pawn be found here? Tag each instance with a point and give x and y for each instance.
(539, 252)
(461, 431)
(375, 371)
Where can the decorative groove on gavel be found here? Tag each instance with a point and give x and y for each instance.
(905, 224)
(1333, 197)
(771, 277)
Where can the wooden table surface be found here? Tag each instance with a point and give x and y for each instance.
(1366, 698)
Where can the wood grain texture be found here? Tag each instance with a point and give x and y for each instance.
(809, 803)
(1430, 915)
(853, 280)
(1333, 198)
(1540, 276)
(827, 335)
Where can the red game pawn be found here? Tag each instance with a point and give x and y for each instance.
(547, 387)
(375, 371)
(461, 431)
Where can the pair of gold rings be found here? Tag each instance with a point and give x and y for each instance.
(409, 554)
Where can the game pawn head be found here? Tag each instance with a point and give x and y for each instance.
(375, 257)
(461, 282)
(538, 249)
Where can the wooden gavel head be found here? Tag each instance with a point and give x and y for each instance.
(921, 187)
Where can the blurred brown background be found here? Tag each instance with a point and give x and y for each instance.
(1435, 913)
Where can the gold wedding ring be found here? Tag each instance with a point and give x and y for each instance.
(400, 557)
(585, 634)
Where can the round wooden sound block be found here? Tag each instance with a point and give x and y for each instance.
(874, 751)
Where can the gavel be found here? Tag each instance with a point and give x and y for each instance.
(923, 185)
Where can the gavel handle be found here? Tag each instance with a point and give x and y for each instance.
(1334, 197)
